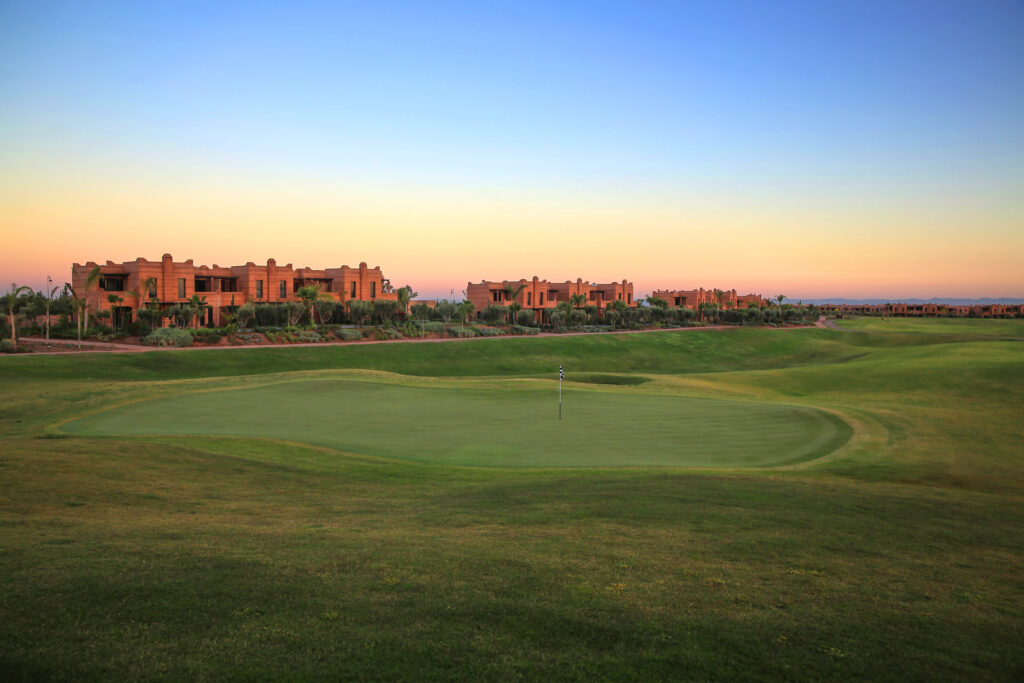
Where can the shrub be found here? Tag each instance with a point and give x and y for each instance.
(490, 332)
(6, 346)
(213, 338)
(306, 336)
(459, 331)
(525, 318)
(433, 326)
(168, 336)
(348, 334)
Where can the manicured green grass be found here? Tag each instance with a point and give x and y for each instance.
(984, 327)
(514, 424)
(896, 556)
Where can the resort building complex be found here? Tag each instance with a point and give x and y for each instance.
(168, 282)
(693, 298)
(540, 295)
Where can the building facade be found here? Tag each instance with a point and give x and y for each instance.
(175, 282)
(693, 298)
(540, 295)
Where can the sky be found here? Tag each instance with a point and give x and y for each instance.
(845, 149)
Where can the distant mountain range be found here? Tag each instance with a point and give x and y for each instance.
(934, 300)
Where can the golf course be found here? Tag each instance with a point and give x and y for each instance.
(748, 503)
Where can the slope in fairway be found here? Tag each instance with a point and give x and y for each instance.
(496, 427)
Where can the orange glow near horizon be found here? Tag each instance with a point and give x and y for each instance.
(436, 238)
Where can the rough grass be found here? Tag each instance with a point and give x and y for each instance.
(897, 557)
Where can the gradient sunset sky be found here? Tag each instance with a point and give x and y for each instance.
(825, 149)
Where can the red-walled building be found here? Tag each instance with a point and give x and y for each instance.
(222, 286)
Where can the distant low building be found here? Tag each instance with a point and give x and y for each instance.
(540, 296)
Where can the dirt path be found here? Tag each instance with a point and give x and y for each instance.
(113, 347)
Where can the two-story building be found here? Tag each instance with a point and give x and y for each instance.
(173, 282)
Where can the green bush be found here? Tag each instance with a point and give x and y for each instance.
(348, 334)
(306, 336)
(463, 332)
(490, 332)
(433, 326)
(522, 329)
(213, 338)
(168, 336)
(6, 346)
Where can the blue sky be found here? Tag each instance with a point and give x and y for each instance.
(793, 108)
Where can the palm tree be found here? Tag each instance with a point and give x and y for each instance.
(197, 306)
(718, 297)
(78, 307)
(309, 295)
(146, 286)
(49, 292)
(511, 294)
(114, 299)
(578, 300)
(405, 294)
(90, 280)
(12, 298)
(780, 298)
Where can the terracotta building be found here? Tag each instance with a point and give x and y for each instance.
(692, 298)
(540, 295)
(221, 286)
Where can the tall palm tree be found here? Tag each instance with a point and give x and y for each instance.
(511, 294)
(49, 292)
(147, 286)
(114, 299)
(90, 280)
(197, 305)
(405, 294)
(79, 308)
(12, 298)
(780, 298)
(309, 295)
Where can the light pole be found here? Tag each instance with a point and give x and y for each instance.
(49, 293)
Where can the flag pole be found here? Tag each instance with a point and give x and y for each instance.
(561, 376)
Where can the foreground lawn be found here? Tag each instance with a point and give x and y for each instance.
(897, 556)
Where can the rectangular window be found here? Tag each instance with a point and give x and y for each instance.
(529, 299)
(373, 290)
(284, 289)
(181, 288)
(352, 290)
(629, 299)
(259, 289)
(541, 295)
(151, 292)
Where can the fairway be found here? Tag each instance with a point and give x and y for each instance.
(512, 425)
(974, 327)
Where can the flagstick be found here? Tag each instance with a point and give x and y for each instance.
(561, 376)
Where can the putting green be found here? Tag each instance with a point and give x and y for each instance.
(513, 426)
